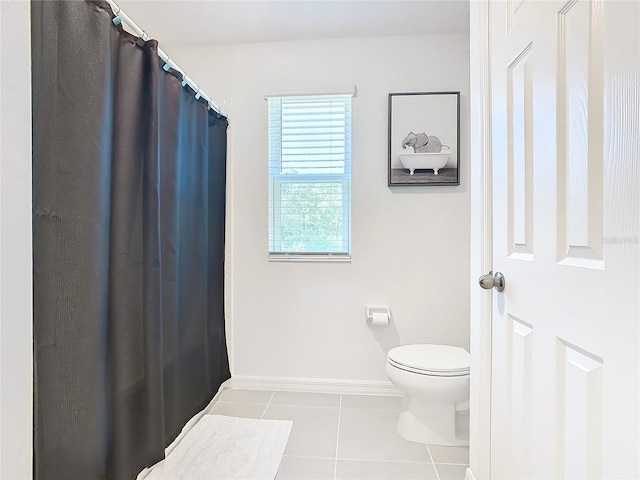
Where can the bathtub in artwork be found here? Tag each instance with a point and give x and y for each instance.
(425, 161)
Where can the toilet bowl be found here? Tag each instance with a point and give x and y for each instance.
(435, 383)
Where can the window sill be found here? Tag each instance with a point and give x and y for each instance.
(310, 258)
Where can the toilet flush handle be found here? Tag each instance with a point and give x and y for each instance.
(491, 280)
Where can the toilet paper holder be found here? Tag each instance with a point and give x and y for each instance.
(378, 315)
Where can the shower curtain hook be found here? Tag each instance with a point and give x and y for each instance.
(117, 20)
(184, 80)
(198, 94)
(142, 39)
(166, 67)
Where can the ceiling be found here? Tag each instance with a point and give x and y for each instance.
(189, 23)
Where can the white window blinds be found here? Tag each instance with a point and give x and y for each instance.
(309, 175)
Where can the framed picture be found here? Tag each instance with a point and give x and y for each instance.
(424, 138)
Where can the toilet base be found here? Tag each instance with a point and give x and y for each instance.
(432, 423)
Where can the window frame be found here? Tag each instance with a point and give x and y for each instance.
(277, 180)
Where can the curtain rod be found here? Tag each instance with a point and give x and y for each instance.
(120, 16)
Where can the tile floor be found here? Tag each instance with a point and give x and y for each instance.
(344, 437)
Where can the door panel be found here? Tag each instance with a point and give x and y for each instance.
(566, 180)
(580, 133)
(520, 155)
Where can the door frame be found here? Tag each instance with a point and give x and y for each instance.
(481, 240)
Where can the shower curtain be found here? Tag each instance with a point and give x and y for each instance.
(128, 226)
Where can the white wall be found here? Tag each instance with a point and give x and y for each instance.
(410, 244)
(16, 365)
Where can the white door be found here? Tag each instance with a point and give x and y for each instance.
(565, 138)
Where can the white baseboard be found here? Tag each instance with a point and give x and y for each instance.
(316, 385)
(468, 475)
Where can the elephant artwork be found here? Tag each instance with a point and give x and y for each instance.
(422, 143)
(429, 154)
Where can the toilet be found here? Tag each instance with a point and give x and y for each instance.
(435, 383)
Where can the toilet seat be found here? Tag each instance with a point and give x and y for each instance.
(434, 360)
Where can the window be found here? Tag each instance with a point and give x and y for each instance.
(309, 176)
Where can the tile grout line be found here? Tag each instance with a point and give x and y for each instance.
(267, 406)
(324, 407)
(432, 462)
(335, 469)
(313, 457)
(412, 462)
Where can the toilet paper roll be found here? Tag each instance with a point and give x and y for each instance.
(379, 319)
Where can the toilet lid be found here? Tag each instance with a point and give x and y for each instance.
(435, 359)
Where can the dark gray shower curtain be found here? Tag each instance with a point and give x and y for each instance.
(128, 226)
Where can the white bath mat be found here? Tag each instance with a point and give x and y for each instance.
(221, 447)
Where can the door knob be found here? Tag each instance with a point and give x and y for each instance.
(492, 280)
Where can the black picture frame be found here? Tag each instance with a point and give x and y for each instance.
(418, 123)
